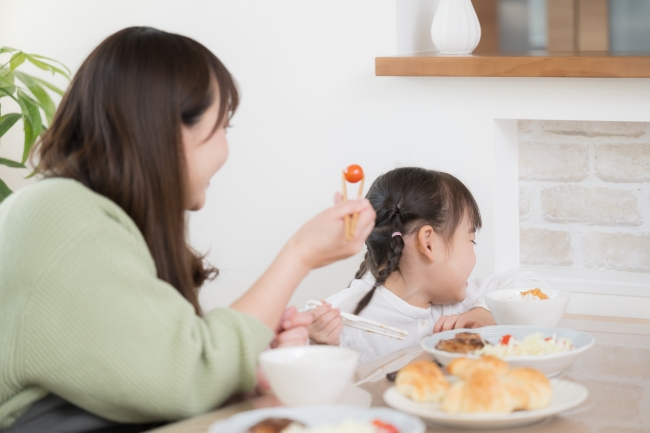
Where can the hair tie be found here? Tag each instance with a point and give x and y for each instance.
(396, 234)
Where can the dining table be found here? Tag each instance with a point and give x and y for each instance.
(616, 372)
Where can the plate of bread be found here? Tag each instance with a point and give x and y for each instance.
(484, 393)
(549, 350)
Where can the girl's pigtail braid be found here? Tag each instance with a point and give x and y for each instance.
(363, 268)
(392, 263)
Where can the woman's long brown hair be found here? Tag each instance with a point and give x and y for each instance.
(118, 131)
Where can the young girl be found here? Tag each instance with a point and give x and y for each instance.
(100, 325)
(414, 276)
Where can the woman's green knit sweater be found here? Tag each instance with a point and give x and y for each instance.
(83, 316)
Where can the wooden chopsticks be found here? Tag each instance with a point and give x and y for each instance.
(364, 324)
(351, 226)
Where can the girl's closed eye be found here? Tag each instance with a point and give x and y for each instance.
(474, 242)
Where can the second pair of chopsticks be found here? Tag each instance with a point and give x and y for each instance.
(364, 324)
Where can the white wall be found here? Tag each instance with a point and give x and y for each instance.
(312, 105)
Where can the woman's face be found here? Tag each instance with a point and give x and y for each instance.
(206, 150)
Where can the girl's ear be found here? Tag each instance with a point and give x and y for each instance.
(427, 242)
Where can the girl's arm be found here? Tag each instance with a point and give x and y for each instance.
(319, 242)
(474, 318)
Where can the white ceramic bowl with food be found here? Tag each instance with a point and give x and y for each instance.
(550, 364)
(508, 307)
(309, 375)
(320, 417)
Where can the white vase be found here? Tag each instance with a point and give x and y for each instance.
(455, 28)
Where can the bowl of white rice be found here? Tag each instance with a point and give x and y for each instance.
(528, 306)
(309, 375)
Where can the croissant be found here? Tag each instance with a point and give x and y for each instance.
(529, 388)
(463, 367)
(482, 390)
(422, 381)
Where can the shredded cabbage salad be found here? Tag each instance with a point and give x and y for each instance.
(532, 345)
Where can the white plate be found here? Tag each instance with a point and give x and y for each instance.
(317, 416)
(566, 395)
(551, 365)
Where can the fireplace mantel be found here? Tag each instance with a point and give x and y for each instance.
(533, 64)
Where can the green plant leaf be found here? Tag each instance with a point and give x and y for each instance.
(12, 164)
(30, 109)
(8, 82)
(16, 60)
(50, 86)
(38, 56)
(4, 191)
(6, 75)
(46, 66)
(7, 121)
(39, 93)
(5, 92)
(7, 50)
(32, 121)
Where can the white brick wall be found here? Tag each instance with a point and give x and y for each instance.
(584, 194)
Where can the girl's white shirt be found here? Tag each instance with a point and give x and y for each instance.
(387, 308)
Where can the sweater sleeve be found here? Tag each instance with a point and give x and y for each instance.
(103, 332)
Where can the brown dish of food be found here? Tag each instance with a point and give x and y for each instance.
(273, 425)
(463, 342)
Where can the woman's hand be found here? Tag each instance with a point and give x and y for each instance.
(322, 241)
(327, 325)
(319, 242)
(474, 318)
(293, 329)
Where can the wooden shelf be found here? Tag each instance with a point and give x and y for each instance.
(533, 64)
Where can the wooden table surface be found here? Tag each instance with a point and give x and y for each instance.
(616, 371)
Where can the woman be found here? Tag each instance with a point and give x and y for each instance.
(100, 325)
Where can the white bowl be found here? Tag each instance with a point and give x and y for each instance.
(508, 308)
(319, 416)
(309, 375)
(551, 365)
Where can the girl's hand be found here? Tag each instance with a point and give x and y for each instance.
(327, 325)
(293, 329)
(474, 318)
(321, 240)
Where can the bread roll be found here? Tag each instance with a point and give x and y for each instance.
(489, 385)
(481, 391)
(463, 367)
(529, 388)
(422, 381)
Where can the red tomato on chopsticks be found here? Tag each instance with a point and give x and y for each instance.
(353, 173)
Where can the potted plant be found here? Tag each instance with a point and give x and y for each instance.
(32, 95)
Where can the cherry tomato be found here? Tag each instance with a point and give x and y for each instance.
(505, 339)
(384, 427)
(353, 173)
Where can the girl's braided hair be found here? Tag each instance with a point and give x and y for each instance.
(405, 200)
